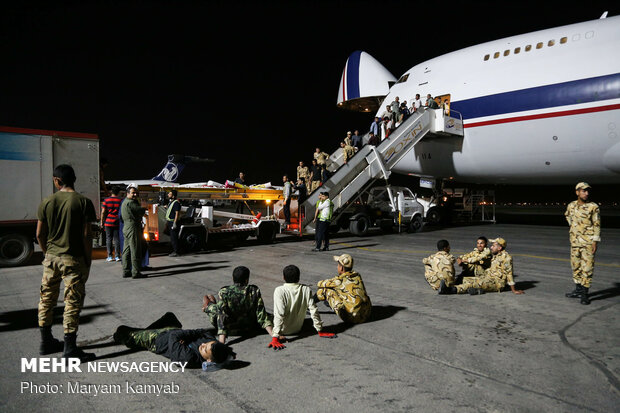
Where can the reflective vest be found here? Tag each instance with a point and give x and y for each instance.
(168, 212)
(325, 216)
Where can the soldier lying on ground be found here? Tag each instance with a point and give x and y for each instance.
(240, 308)
(494, 278)
(439, 266)
(345, 293)
(165, 337)
(290, 303)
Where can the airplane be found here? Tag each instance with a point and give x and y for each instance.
(541, 108)
(169, 175)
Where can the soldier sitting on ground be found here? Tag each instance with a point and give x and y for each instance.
(240, 308)
(495, 277)
(345, 293)
(439, 266)
(196, 347)
(476, 262)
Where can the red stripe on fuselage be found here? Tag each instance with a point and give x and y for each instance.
(541, 116)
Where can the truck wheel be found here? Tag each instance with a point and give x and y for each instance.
(191, 243)
(266, 234)
(416, 224)
(15, 249)
(359, 226)
(433, 217)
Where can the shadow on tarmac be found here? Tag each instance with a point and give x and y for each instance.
(188, 264)
(605, 294)
(24, 319)
(185, 271)
(525, 285)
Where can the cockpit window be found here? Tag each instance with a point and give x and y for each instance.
(403, 78)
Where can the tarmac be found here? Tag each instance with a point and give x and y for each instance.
(420, 352)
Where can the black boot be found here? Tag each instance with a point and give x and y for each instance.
(72, 350)
(585, 300)
(576, 293)
(122, 335)
(49, 344)
(444, 289)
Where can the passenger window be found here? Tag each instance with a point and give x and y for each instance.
(517, 50)
(506, 52)
(486, 57)
(551, 43)
(403, 79)
(539, 45)
(495, 55)
(563, 40)
(528, 47)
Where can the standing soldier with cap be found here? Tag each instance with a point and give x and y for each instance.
(131, 214)
(321, 157)
(65, 236)
(584, 221)
(173, 213)
(439, 266)
(345, 293)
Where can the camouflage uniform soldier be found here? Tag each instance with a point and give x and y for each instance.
(348, 141)
(476, 262)
(585, 232)
(494, 279)
(347, 151)
(345, 293)
(321, 157)
(240, 308)
(439, 266)
(65, 237)
(303, 172)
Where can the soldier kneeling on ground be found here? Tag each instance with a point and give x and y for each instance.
(439, 266)
(494, 279)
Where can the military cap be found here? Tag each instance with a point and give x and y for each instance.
(582, 185)
(500, 241)
(345, 260)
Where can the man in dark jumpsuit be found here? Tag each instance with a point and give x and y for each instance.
(132, 213)
(165, 337)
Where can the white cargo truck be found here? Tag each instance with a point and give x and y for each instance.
(27, 161)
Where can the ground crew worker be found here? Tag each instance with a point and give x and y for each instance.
(303, 171)
(347, 151)
(439, 266)
(584, 220)
(287, 192)
(290, 303)
(198, 348)
(476, 262)
(346, 293)
(321, 157)
(240, 308)
(315, 176)
(173, 214)
(132, 213)
(323, 211)
(65, 236)
(495, 277)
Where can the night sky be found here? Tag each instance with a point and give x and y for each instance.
(251, 84)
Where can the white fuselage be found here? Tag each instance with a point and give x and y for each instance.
(549, 114)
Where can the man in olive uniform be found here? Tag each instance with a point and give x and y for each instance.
(476, 262)
(584, 220)
(132, 213)
(439, 266)
(240, 308)
(495, 277)
(173, 214)
(65, 237)
(345, 293)
(303, 172)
